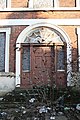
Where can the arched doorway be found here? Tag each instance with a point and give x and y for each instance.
(43, 56)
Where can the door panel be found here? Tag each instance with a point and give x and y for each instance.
(61, 79)
(42, 65)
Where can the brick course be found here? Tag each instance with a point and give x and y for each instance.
(41, 15)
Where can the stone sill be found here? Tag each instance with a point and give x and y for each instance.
(40, 9)
(7, 74)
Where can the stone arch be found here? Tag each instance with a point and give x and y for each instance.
(22, 37)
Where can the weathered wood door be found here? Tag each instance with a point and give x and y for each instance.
(41, 65)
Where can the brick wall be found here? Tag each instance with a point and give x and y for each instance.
(24, 3)
(71, 31)
(19, 3)
(67, 3)
(40, 15)
(16, 30)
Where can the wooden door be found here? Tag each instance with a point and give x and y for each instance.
(43, 64)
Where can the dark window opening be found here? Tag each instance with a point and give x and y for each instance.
(26, 59)
(2, 51)
(60, 57)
